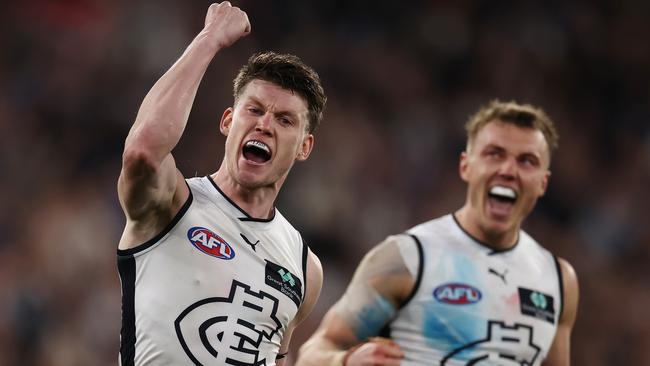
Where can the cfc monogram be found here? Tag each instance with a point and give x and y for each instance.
(228, 330)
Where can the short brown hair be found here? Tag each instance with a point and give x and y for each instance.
(288, 72)
(521, 115)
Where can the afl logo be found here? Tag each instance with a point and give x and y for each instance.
(457, 294)
(210, 243)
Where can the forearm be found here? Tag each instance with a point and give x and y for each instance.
(164, 112)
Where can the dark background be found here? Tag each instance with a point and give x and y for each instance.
(402, 78)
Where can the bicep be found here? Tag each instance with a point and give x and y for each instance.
(150, 201)
(378, 288)
(144, 184)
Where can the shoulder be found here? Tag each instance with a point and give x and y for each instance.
(314, 269)
(199, 186)
(404, 248)
(438, 232)
(394, 249)
(569, 276)
(392, 268)
(314, 278)
(194, 182)
(529, 245)
(570, 291)
(283, 225)
(435, 237)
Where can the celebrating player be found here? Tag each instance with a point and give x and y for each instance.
(211, 272)
(468, 288)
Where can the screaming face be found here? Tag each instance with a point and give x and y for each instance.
(266, 133)
(506, 168)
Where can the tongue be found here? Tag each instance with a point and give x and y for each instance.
(252, 155)
(499, 208)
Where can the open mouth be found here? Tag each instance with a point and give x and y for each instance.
(503, 194)
(501, 201)
(256, 151)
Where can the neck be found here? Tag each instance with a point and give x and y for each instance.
(256, 202)
(494, 238)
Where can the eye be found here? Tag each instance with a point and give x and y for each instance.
(285, 120)
(254, 110)
(529, 160)
(493, 153)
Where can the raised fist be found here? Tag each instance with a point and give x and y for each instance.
(225, 24)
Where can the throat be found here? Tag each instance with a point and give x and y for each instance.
(495, 235)
(255, 203)
(500, 240)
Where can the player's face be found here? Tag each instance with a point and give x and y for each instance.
(506, 168)
(266, 133)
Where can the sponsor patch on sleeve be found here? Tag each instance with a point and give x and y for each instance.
(537, 304)
(284, 281)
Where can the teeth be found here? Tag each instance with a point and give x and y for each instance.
(259, 145)
(503, 192)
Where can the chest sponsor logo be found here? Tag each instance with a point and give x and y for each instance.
(457, 294)
(284, 281)
(537, 304)
(210, 243)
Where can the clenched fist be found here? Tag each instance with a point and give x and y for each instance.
(225, 24)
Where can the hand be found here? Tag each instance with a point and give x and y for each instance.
(225, 24)
(377, 351)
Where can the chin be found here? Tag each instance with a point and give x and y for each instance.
(500, 226)
(250, 181)
(255, 182)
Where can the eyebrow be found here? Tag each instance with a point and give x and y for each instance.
(493, 146)
(526, 152)
(290, 114)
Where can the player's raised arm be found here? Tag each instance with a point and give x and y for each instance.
(347, 334)
(148, 184)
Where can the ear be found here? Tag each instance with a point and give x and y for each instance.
(544, 182)
(305, 147)
(226, 121)
(463, 166)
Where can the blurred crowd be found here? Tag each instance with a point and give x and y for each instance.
(401, 77)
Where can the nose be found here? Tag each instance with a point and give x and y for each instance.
(508, 168)
(263, 124)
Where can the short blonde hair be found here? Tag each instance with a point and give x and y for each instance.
(521, 115)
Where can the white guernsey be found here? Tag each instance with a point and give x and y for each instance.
(217, 287)
(475, 304)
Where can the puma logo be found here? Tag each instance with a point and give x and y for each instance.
(501, 276)
(249, 242)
